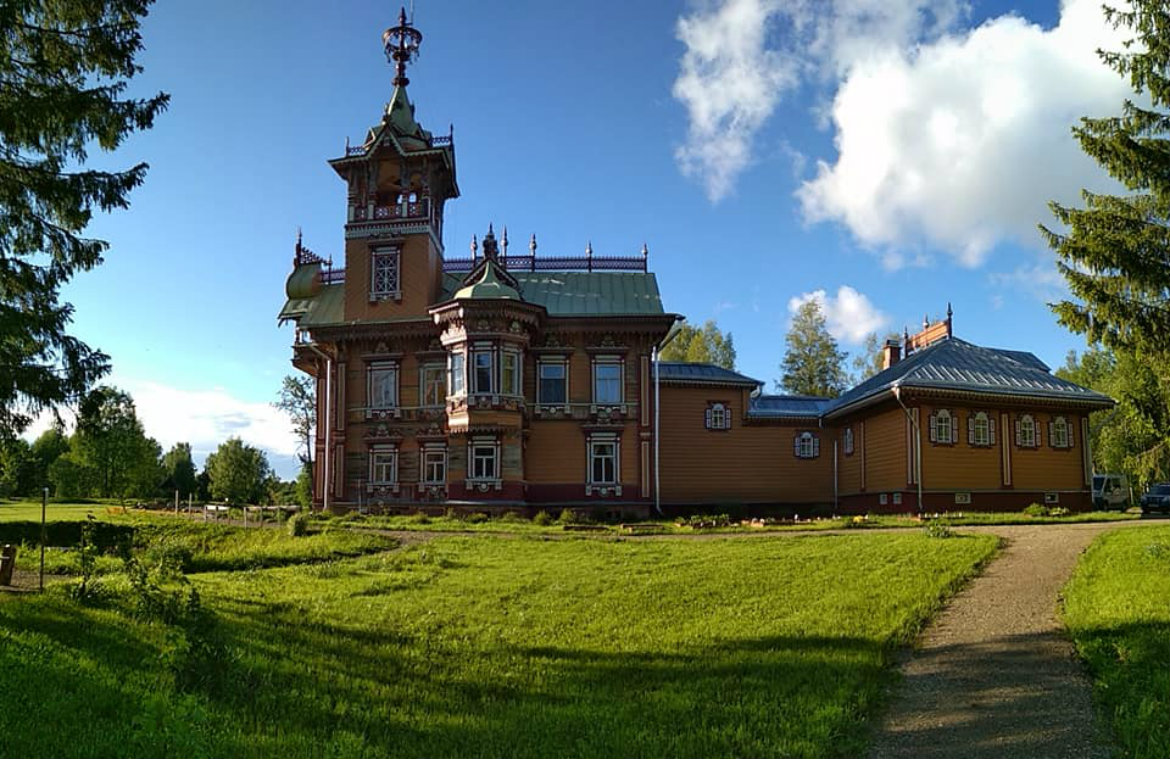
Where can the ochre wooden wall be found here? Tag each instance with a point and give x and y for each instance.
(746, 464)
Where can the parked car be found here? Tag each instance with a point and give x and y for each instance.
(1157, 499)
(1110, 491)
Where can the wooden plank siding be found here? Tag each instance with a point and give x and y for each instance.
(885, 451)
(749, 463)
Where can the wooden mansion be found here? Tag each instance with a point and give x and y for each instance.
(508, 381)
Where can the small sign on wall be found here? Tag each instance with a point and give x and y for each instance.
(963, 498)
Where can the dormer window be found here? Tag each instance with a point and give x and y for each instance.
(384, 274)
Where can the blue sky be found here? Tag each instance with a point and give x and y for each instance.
(765, 151)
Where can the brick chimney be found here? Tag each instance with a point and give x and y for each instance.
(891, 353)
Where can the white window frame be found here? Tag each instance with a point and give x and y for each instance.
(456, 375)
(372, 370)
(426, 456)
(540, 366)
(981, 429)
(1028, 425)
(375, 465)
(516, 388)
(1060, 433)
(807, 446)
(425, 386)
(847, 444)
(943, 421)
(718, 416)
(392, 258)
(614, 456)
(618, 364)
(473, 371)
(473, 457)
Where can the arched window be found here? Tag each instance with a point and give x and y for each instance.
(1059, 433)
(806, 445)
(718, 417)
(942, 428)
(979, 429)
(1026, 431)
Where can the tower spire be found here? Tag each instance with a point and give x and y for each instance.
(401, 44)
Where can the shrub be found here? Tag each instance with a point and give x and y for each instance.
(938, 530)
(1058, 511)
(298, 525)
(568, 516)
(419, 517)
(168, 558)
(1036, 510)
(513, 517)
(475, 517)
(542, 518)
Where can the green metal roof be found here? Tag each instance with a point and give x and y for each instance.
(327, 307)
(488, 287)
(582, 293)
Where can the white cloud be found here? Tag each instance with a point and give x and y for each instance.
(1042, 280)
(849, 316)
(961, 143)
(743, 55)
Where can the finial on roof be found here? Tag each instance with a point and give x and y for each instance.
(950, 317)
(474, 248)
(401, 44)
(645, 251)
(504, 242)
(490, 252)
(906, 335)
(589, 249)
(532, 245)
(925, 321)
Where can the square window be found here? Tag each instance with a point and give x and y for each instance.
(482, 377)
(434, 385)
(607, 383)
(603, 462)
(552, 388)
(483, 462)
(383, 387)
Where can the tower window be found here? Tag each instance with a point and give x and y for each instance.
(510, 373)
(458, 377)
(384, 270)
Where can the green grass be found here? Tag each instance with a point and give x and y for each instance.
(20, 511)
(1117, 607)
(495, 647)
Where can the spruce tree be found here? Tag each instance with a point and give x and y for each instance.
(813, 364)
(1113, 251)
(64, 69)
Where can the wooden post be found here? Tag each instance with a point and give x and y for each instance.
(44, 506)
(176, 502)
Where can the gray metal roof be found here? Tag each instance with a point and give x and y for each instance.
(782, 406)
(955, 364)
(582, 293)
(681, 372)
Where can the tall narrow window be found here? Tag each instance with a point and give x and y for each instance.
(382, 386)
(942, 427)
(458, 377)
(384, 466)
(552, 388)
(482, 373)
(979, 432)
(607, 383)
(434, 466)
(434, 385)
(384, 274)
(806, 446)
(509, 373)
(484, 463)
(1026, 432)
(603, 462)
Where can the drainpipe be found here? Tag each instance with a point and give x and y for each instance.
(325, 486)
(917, 443)
(657, 480)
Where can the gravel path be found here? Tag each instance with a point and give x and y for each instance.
(994, 674)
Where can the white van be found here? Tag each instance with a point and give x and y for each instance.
(1110, 491)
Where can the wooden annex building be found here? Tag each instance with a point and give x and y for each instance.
(509, 381)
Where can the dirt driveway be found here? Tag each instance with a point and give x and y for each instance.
(994, 674)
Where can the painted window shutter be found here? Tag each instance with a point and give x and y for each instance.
(933, 428)
(991, 429)
(796, 446)
(1039, 438)
(707, 423)
(727, 417)
(816, 446)
(970, 429)
(1051, 433)
(1019, 435)
(1070, 434)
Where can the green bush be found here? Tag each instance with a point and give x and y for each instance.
(1036, 510)
(475, 517)
(103, 535)
(513, 517)
(298, 525)
(568, 516)
(542, 518)
(938, 530)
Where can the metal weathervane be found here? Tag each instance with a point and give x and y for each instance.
(401, 43)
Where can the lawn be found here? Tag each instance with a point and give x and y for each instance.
(487, 646)
(1117, 607)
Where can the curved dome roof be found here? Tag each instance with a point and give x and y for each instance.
(488, 287)
(304, 282)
